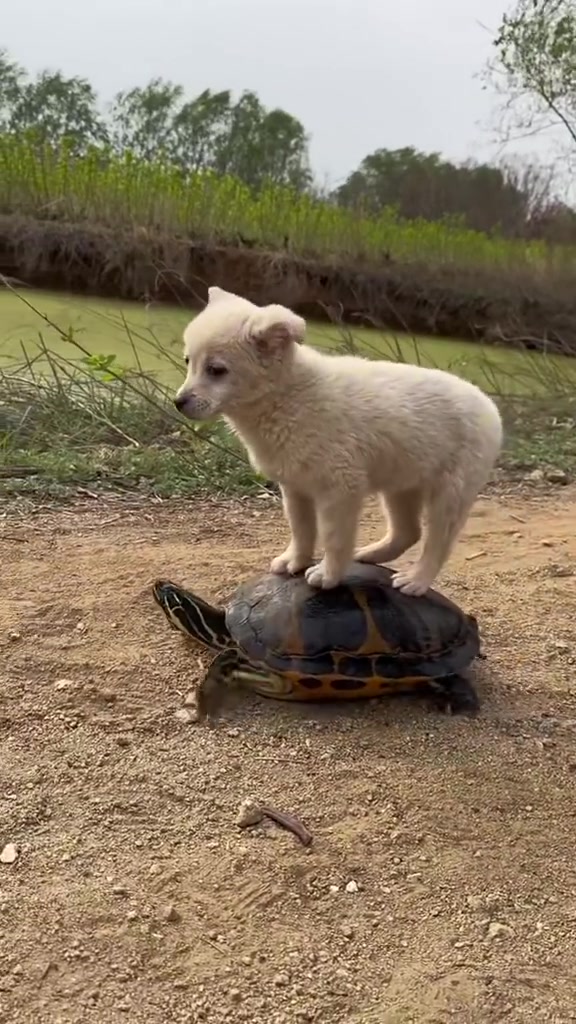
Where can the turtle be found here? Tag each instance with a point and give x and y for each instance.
(282, 638)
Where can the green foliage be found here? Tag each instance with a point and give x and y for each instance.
(536, 51)
(242, 140)
(101, 365)
(51, 107)
(211, 132)
(122, 191)
(143, 119)
(424, 185)
(97, 425)
(155, 121)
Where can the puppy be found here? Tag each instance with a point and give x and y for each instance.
(333, 429)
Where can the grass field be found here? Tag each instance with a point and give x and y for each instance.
(149, 338)
(104, 416)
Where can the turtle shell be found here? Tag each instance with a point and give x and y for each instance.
(364, 629)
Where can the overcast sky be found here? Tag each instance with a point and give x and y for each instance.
(360, 74)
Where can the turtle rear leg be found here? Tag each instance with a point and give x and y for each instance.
(455, 695)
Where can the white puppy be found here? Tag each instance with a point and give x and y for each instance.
(333, 429)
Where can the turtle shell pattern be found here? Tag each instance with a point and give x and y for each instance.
(362, 638)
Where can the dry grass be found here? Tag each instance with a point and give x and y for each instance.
(92, 423)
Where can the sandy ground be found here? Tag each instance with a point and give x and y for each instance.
(134, 895)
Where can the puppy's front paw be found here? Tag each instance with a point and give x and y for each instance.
(318, 576)
(289, 562)
(411, 582)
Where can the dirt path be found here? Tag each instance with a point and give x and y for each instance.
(134, 895)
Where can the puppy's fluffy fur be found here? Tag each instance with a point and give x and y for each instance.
(334, 429)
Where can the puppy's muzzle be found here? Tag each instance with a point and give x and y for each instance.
(192, 406)
(181, 401)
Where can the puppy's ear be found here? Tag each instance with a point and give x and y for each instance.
(273, 328)
(216, 294)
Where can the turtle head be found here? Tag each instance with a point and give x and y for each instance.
(235, 352)
(192, 615)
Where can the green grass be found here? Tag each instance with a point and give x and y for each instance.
(149, 338)
(88, 401)
(42, 182)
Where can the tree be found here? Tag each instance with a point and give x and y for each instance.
(536, 65)
(398, 178)
(57, 108)
(52, 106)
(211, 132)
(11, 78)
(263, 145)
(284, 150)
(143, 119)
(424, 185)
(199, 130)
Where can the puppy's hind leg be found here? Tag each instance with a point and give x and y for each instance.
(403, 511)
(446, 513)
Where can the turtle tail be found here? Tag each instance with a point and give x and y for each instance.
(193, 616)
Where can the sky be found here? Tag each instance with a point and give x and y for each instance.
(359, 74)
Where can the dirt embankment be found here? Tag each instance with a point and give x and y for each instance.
(527, 308)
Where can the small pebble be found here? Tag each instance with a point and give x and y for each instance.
(498, 930)
(171, 914)
(556, 476)
(9, 854)
(106, 696)
(186, 715)
(475, 902)
(249, 813)
(351, 886)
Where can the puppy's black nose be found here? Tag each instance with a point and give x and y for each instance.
(180, 402)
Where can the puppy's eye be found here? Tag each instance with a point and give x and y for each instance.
(216, 369)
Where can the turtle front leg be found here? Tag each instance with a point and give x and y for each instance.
(455, 695)
(220, 678)
(301, 515)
